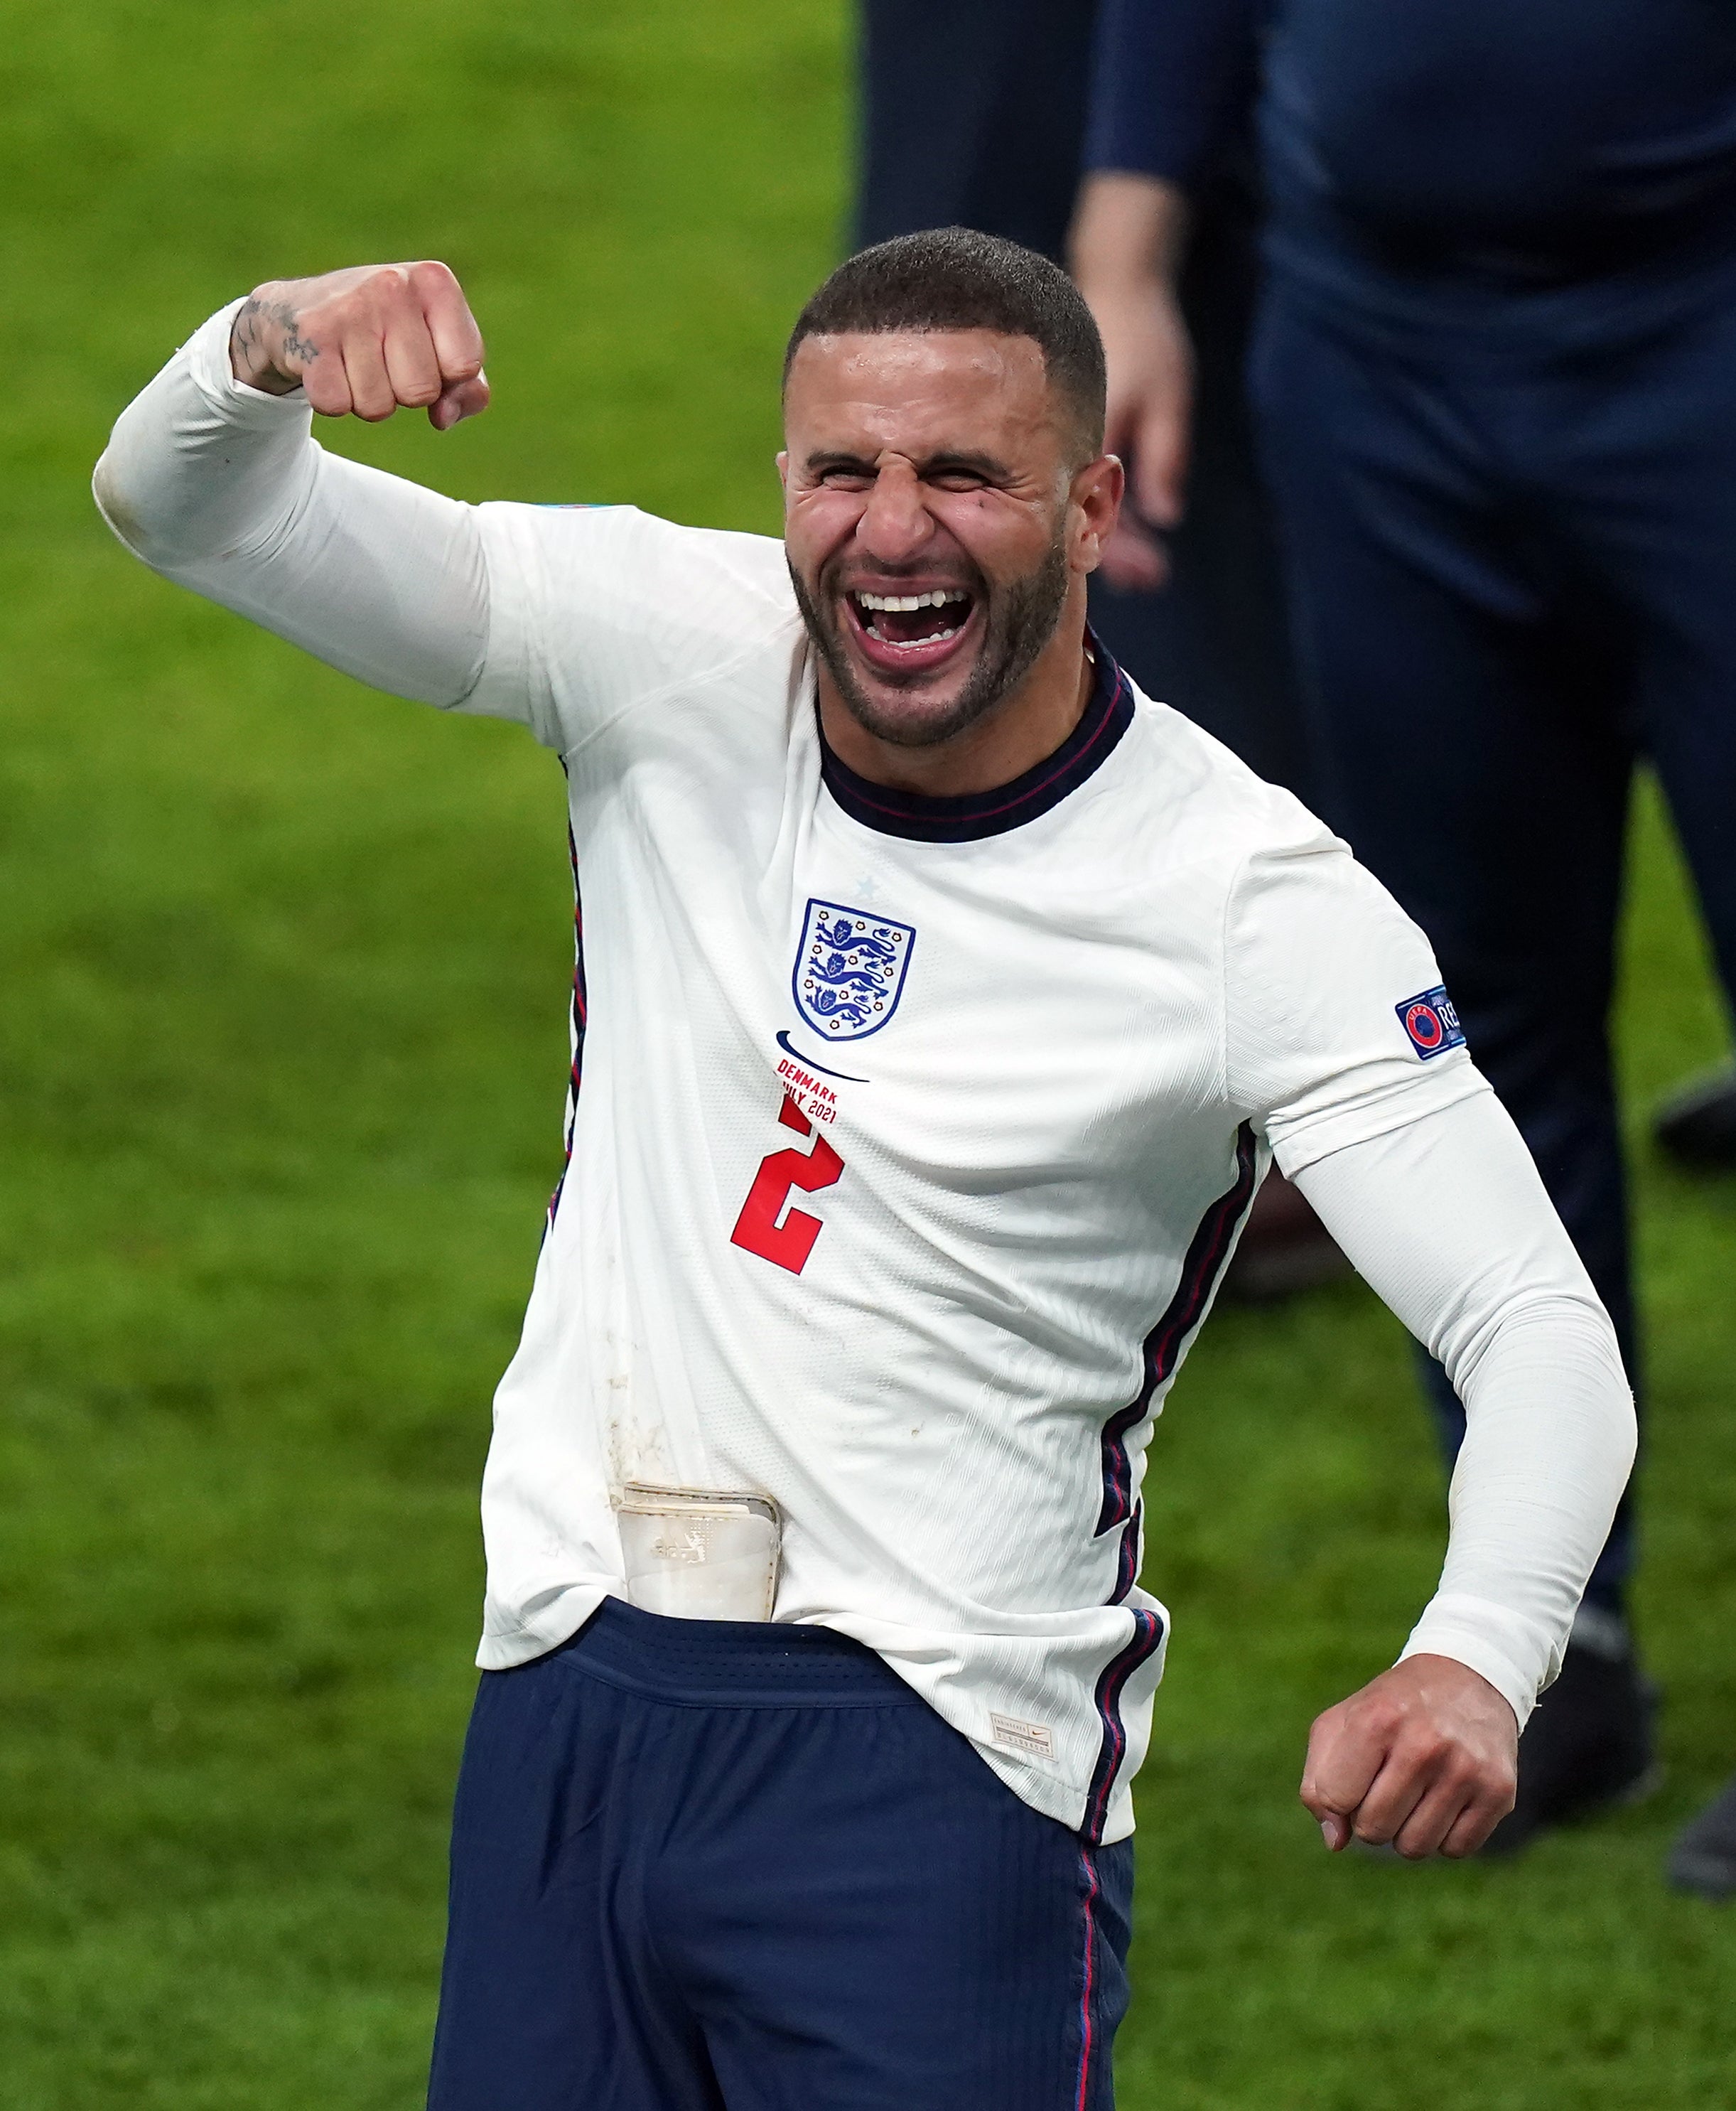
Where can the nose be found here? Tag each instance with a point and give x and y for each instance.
(894, 523)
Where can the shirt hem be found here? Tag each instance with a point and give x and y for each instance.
(564, 1609)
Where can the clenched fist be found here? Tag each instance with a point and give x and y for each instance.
(1425, 1757)
(365, 341)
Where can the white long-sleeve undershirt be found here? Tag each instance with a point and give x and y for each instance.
(1449, 1222)
(223, 489)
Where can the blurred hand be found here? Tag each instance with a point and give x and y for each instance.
(365, 340)
(1126, 247)
(1425, 1757)
(1151, 401)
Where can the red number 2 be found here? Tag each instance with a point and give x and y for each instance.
(757, 1228)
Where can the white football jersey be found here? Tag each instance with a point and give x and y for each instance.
(909, 1138)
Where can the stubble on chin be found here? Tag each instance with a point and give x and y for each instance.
(1020, 622)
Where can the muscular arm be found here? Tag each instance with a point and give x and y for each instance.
(218, 483)
(1449, 1223)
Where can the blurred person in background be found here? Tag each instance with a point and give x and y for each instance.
(1495, 379)
(987, 133)
(1703, 1859)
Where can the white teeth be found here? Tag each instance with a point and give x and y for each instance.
(909, 604)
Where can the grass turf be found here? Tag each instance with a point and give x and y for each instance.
(281, 1055)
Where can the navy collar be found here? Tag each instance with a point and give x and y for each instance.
(969, 816)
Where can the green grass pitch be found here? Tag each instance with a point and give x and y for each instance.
(281, 1056)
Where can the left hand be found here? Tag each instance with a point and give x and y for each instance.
(1426, 1756)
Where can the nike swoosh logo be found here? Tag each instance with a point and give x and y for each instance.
(784, 1043)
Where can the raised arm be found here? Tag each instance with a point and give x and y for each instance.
(212, 476)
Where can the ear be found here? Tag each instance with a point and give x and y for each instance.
(783, 470)
(1094, 506)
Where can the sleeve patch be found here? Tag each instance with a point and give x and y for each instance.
(1430, 1023)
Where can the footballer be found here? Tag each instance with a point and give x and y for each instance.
(941, 1001)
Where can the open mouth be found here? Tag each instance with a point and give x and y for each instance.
(912, 630)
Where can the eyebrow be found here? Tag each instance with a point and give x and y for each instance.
(951, 462)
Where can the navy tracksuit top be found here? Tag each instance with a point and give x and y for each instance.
(1430, 151)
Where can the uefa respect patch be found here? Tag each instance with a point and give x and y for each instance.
(1431, 1022)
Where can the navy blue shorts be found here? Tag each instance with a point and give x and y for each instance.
(704, 1867)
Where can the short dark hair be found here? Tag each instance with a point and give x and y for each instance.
(954, 278)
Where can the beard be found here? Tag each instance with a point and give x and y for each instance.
(1018, 621)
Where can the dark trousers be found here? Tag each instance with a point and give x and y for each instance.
(1513, 572)
(701, 1866)
(973, 115)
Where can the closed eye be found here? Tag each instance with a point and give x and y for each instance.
(965, 472)
(841, 472)
(942, 473)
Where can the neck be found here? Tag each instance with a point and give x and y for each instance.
(1017, 733)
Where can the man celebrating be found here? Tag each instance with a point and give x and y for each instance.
(941, 1001)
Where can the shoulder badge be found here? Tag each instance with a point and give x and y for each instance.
(1430, 1023)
